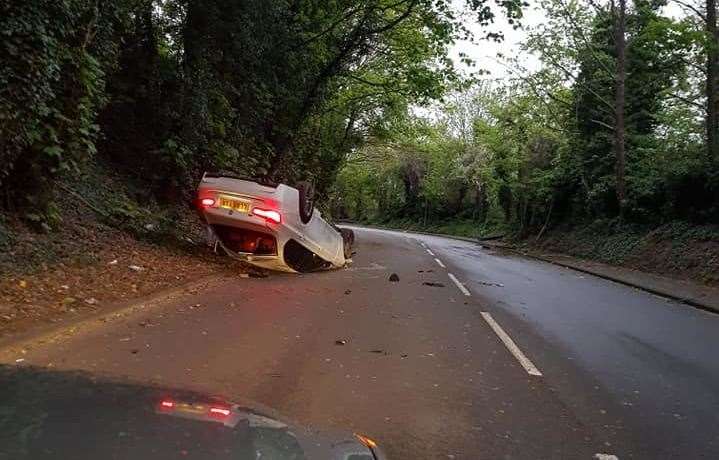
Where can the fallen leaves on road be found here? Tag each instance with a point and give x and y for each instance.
(348, 292)
(340, 342)
(394, 278)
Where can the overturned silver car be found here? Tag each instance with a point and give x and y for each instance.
(272, 226)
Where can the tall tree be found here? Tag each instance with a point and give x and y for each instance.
(712, 74)
(619, 15)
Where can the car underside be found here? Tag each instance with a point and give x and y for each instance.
(273, 226)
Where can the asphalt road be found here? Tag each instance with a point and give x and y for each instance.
(507, 358)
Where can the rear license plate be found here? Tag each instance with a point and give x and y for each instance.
(234, 204)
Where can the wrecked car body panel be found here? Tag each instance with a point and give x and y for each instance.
(261, 224)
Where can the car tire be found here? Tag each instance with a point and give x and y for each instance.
(348, 239)
(307, 201)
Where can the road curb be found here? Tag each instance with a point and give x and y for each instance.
(660, 292)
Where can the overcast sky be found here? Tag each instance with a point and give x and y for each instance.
(485, 51)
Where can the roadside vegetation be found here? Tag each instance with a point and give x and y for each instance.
(614, 134)
(165, 89)
(617, 126)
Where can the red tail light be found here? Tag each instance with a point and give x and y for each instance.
(167, 404)
(268, 214)
(207, 202)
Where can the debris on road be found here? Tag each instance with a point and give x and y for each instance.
(340, 342)
(379, 352)
(112, 262)
(134, 351)
(348, 292)
(394, 278)
(19, 360)
(91, 301)
(431, 283)
(425, 271)
(136, 268)
(487, 283)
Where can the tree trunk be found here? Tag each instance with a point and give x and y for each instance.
(620, 23)
(481, 204)
(712, 55)
(546, 220)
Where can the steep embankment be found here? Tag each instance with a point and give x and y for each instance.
(112, 244)
(678, 249)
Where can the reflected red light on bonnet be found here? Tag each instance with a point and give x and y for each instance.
(220, 411)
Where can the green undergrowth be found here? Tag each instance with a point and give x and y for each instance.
(94, 208)
(677, 248)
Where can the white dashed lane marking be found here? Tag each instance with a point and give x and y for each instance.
(459, 285)
(429, 251)
(439, 262)
(511, 346)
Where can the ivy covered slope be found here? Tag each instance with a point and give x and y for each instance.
(607, 150)
(165, 89)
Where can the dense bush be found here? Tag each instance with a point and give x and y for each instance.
(54, 58)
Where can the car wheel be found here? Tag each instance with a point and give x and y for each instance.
(307, 201)
(348, 239)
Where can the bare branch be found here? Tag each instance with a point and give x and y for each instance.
(687, 100)
(609, 105)
(691, 8)
(601, 123)
(587, 43)
(392, 24)
(329, 29)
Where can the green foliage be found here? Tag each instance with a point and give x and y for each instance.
(165, 89)
(54, 56)
(537, 151)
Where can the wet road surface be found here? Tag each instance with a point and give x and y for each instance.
(506, 358)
